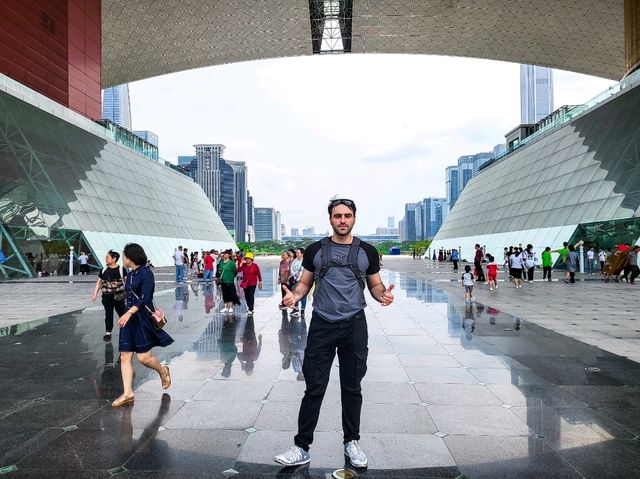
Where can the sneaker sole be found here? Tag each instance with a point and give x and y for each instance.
(355, 465)
(302, 463)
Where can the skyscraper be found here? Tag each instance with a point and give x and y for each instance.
(264, 224)
(116, 106)
(413, 221)
(434, 212)
(536, 93)
(391, 222)
(208, 171)
(233, 197)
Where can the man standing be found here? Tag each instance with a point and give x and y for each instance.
(477, 262)
(208, 267)
(339, 265)
(179, 261)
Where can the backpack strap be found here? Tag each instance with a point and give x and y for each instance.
(325, 244)
(353, 260)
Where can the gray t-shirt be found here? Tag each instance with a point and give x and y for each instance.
(572, 261)
(633, 258)
(339, 295)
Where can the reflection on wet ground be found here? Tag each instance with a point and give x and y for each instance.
(451, 388)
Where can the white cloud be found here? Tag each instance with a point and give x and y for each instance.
(380, 128)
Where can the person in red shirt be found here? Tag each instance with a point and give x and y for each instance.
(208, 267)
(251, 277)
(492, 272)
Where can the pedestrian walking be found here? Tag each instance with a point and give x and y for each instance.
(284, 273)
(492, 272)
(226, 273)
(296, 274)
(251, 278)
(572, 264)
(208, 267)
(602, 258)
(138, 331)
(111, 283)
(340, 266)
(467, 284)
(477, 262)
(547, 263)
(455, 257)
(84, 263)
(563, 252)
(530, 262)
(516, 266)
(632, 264)
(178, 261)
(590, 264)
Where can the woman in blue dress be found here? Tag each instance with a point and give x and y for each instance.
(138, 333)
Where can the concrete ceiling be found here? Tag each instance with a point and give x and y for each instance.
(146, 38)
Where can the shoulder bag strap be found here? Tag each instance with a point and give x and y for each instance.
(325, 244)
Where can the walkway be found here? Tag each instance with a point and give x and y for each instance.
(450, 390)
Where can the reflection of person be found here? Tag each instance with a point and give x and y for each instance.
(250, 347)
(207, 290)
(111, 282)
(138, 333)
(227, 345)
(340, 266)
(468, 322)
(179, 304)
(298, 344)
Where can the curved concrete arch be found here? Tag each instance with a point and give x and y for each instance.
(147, 38)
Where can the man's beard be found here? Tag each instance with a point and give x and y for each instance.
(337, 231)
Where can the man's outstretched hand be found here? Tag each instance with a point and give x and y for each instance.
(387, 297)
(288, 299)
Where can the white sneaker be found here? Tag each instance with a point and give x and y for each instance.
(356, 456)
(296, 456)
(490, 289)
(223, 310)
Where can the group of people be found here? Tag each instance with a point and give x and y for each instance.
(339, 267)
(520, 264)
(289, 274)
(225, 268)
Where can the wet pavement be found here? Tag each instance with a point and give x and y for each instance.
(451, 389)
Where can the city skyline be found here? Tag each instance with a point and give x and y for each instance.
(272, 129)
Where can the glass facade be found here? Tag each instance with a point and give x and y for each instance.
(116, 106)
(264, 224)
(536, 93)
(586, 171)
(56, 175)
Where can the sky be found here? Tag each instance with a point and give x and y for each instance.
(379, 129)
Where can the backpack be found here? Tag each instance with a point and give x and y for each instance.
(352, 259)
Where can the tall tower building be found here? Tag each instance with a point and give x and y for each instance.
(116, 106)
(536, 93)
(208, 171)
(233, 197)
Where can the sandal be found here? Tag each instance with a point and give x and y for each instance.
(123, 401)
(166, 378)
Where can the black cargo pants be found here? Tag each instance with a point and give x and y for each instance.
(350, 338)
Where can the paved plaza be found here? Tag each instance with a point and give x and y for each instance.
(489, 390)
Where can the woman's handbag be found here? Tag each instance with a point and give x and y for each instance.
(157, 316)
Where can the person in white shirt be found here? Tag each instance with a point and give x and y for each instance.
(178, 259)
(602, 257)
(84, 263)
(516, 261)
(467, 284)
(591, 261)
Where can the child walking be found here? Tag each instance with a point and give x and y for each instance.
(467, 283)
(492, 272)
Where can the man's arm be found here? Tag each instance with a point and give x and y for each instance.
(378, 290)
(300, 291)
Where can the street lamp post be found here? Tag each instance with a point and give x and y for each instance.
(71, 261)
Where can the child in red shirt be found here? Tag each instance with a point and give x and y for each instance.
(492, 272)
